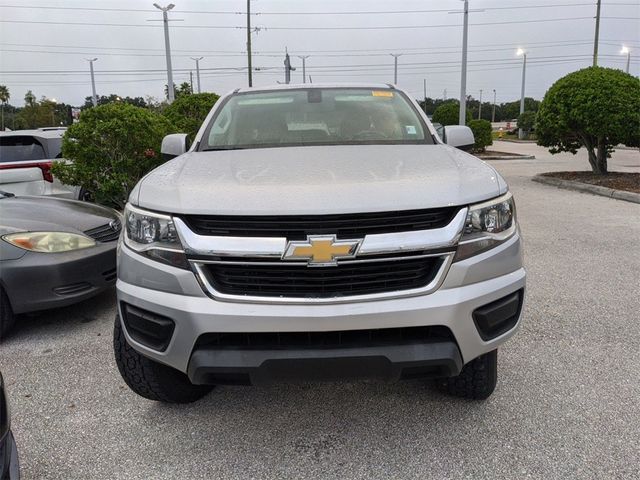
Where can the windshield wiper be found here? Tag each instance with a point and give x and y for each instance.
(228, 147)
(4, 194)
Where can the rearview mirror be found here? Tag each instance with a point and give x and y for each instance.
(458, 136)
(174, 145)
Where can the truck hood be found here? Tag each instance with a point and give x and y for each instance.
(318, 180)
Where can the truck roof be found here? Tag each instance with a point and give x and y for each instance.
(50, 132)
(292, 86)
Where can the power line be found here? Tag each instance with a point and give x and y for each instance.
(440, 51)
(94, 47)
(315, 68)
(321, 74)
(278, 54)
(375, 12)
(404, 49)
(377, 27)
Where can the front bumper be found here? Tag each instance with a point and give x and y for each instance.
(255, 367)
(38, 281)
(176, 294)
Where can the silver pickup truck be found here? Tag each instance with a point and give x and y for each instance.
(317, 232)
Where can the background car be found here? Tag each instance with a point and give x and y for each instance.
(53, 252)
(26, 157)
(8, 452)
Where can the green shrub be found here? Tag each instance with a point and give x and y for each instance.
(526, 121)
(111, 148)
(595, 107)
(448, 113)
(482, 133)
(187, 112)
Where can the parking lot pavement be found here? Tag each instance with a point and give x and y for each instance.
(566, 405)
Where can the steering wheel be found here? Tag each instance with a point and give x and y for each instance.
(370, 135)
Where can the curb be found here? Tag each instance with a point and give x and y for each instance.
(511, 157)
(588, 188)
(514, 141)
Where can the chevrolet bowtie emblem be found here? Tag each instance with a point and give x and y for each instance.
(321, 250)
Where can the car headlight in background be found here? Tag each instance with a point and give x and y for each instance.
(488, 224)
(49, 242)
(153, 235)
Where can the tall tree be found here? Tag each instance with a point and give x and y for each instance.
(184, 89)
(114, 98)
(29, 98)
(4, 99)
(596, 108)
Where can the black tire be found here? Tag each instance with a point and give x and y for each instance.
(476, 381)
(150, 379)
(85, 195)
(7, 317)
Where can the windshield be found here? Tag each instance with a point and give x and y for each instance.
(20, 148)
(332, 116)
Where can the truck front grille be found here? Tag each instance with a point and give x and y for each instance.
(106, 233)
(332, 339)
(299, 281)
(297, 227)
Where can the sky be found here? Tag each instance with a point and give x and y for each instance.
(44, 44)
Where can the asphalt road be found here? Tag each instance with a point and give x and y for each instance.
(567, 403)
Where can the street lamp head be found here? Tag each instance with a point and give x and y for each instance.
(164, 9)
(624, 50)
(91, 59)
(520, 52)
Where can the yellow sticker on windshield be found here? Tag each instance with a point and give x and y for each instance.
(382, 93)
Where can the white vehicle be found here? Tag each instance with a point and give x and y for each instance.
(26, 157)
(355, 244)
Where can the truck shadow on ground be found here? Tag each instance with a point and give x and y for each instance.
(316, 422)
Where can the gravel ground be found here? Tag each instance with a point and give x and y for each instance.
(567, 403)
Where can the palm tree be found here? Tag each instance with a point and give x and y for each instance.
(4, 98)
(29, 98)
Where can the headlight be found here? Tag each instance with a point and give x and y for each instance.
(488, 224)
(153, 235)
(49, 242)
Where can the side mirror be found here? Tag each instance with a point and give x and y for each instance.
(458, 136)
(174, 145)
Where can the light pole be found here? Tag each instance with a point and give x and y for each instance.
(493, 113)
(395, 67)
(287, 68)
(249, 68)
(463, 78)
(53, 112)
(167, 47)
(304, 67)
(597, 36)
(424, 84)
(480, 107)
(94, 97)
(197, 60)
(524, 73)
(627, 51)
